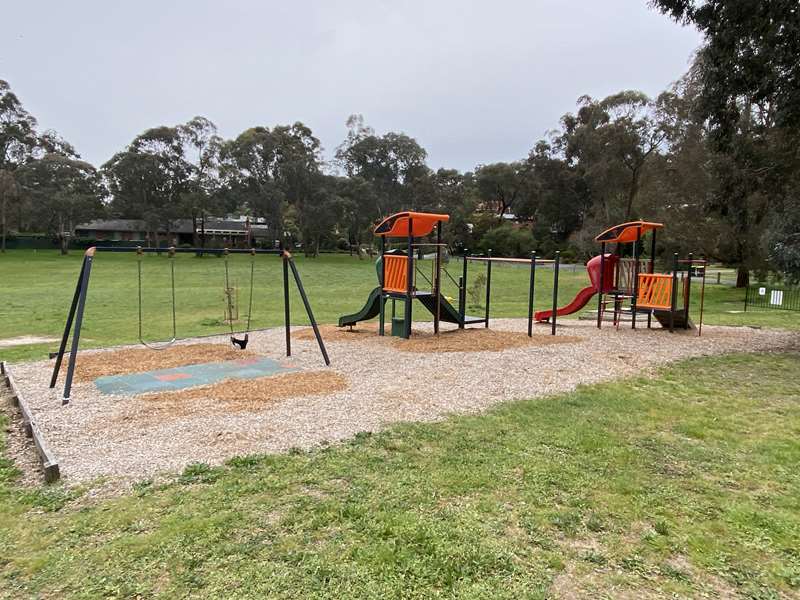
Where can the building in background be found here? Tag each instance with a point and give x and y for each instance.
(211, 232)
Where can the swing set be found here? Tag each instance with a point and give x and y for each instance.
(75, 314)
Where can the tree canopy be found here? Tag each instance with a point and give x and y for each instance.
(715, 156)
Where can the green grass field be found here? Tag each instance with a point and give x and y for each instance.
(37, 288)
(680, 485)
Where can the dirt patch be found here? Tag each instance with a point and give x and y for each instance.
(248, 395)
(26, 340)
(451, 340)
(137, 360)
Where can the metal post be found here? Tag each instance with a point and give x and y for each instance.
(488, 285)
(673, 298)
(688, 293)
(409, 279)
(286, 315)
(68, 326)
(437, 279)
(76, 334)
(172, 284)
(382, 298)
(635, 291)
(555, 293)
(531, 286)
(309, 312)
(462, 292)
(702, 297)
(601, 284)
(651, 270)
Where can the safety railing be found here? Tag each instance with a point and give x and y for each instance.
(655, 291)
(395, 268)
(763, 295)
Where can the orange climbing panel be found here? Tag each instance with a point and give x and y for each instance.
(395, 273)
(655, 291)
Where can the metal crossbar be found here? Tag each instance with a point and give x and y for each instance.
(75, 314)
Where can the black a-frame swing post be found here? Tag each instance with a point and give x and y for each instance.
(288, 259)
(70, 316)
(76, 313)
(286, 305)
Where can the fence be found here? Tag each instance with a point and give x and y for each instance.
(766, 296)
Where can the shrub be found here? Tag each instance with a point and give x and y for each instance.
(509, 241)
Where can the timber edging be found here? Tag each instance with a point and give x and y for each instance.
(46, 455)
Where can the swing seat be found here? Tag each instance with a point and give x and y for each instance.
(241, 343)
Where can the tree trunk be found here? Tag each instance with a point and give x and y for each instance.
(62, 238)
(632, 192)
(742, 276)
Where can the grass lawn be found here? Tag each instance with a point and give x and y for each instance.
(37, 288)
(680, 485)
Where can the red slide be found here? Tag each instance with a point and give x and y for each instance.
(593, 268)
(577, 303)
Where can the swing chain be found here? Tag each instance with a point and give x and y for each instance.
(241, 343)
(140, 257)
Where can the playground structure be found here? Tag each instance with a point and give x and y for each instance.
(397, 275)
(397, 272)
(617, 279)
(76, 311)
(614, 278)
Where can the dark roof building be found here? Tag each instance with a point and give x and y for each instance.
(217, 231)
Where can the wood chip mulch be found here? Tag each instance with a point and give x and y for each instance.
(360, 333)
(475, 339)
(242, 395)
(137, 360)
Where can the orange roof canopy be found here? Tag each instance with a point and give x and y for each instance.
(627, 233)
(421, 224)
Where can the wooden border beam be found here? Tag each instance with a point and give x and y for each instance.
(46, 455)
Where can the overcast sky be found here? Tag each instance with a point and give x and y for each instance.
(473, 82)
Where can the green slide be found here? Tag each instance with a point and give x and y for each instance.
(373, 306)
(370, 310)
(448, 313)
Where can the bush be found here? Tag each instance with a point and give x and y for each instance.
(569, 255)
(508, 241)
(783, 244)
